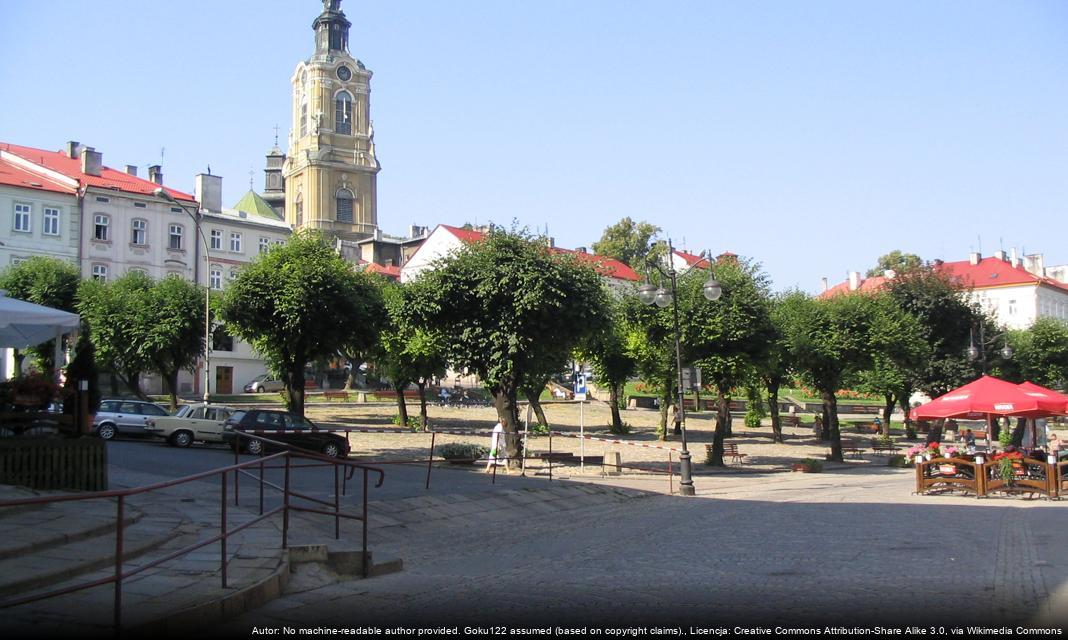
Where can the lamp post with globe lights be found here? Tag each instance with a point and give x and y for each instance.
(649, 294)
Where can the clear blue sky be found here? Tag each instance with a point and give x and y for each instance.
(811, 136)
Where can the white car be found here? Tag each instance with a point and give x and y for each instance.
(263, 383)
(203, 422)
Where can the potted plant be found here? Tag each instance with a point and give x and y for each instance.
(461, 453)
(808, 465)
(30, 392)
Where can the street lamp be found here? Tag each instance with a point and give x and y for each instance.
(160, 192)
(661, 297)
(977, 351)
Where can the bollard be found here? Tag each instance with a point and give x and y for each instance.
(612, 460)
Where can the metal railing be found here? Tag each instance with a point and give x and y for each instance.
(285, 458)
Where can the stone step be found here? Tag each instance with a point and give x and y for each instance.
(77, 543)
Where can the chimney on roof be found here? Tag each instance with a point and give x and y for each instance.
(1014, 260)
(207, 190)
(155, 174)
(974, 257)
(580, 250)
(854, 280)
(416, 231)
(131, 169)
(72, 149)
(92, 161)
(1038, 265)
(550, 241)
(889, 274)
(1001, 255)
(824, 285)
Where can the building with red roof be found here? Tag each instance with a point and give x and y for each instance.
(39, 214)
(1016, 291)
(117, 219)
(445, 240)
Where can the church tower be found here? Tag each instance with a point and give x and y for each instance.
(330, 170)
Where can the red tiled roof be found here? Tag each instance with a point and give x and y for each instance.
(603, 265)
(867, 285)
(988, 273)
(108, 179)
(389, 272)
(11, 174)
(466, 236)
(690, 258)
(993, 272)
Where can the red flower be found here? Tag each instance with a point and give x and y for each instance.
(932, 445)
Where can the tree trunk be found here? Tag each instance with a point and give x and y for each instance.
(350, 380)
(825, 432)
(726, 409)
(613, 400)
(534, 398)
(504, 398)
(113, 382)
(830, 425)
(402, 406)
(661, 430)
(132, 380)
(722, 419)
(773, 408)
(888, 410)
(170, 387)
(697, 400)
(294, 379)
(422, 404)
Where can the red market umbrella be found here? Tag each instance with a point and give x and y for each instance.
(1049, 395)
(989, 396)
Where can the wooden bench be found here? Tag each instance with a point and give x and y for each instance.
(789, 421)
(851, 448)
(336, 395)
(730, 450)
(879, 448)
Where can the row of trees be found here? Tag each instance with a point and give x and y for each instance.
(514, 313)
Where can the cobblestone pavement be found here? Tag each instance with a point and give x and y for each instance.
(848, 548)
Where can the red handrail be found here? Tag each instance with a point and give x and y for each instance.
(225, 531)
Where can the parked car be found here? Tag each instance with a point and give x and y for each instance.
(203, 422)
(264, 382)
(299, 432)
(124, 416)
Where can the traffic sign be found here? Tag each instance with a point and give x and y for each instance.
(580, 385)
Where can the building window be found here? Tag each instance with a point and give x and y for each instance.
(216, 239)
(100, 272)
(22, 217)
(15, 260)
(235, 242)
(216, 278)
(101, 223)
(300, 209)
(265, 245)
(344, 205)
(177, 210)
(222, 342)
(102, 199)
(175, 242)
(343, 113)
(51, 221)
(139, 232)
(138, 270)
(303, 116)
(233, 275)
(140, 205)
(1012, 307)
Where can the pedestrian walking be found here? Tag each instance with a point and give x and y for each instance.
(498, 457)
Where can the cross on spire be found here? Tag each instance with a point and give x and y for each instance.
(251, 176)
(276, 135)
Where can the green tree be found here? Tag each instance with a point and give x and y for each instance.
(1041, 353)
(628, 241)
(897, 262)
(775, 366)
(407, 353)
(503, 306)
(114, 313)
(898, 350)
(298, 302)
(727, 337)
(45, 281)
(607, 351)
(830, 340)
(650, 341)
(171, 329)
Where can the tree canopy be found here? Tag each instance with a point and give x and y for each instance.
(896, 261)
(628, 241)
(46, 281)
(506, 308)
(298, 302)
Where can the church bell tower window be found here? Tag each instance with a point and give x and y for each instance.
(344, 205)
(343, 113)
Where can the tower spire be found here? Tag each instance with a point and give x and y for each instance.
(331, 29)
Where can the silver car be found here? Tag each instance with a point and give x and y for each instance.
(264, 382)
(124, 416)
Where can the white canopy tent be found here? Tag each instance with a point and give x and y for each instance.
(24, 324)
